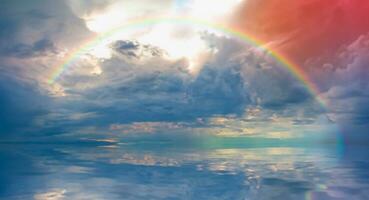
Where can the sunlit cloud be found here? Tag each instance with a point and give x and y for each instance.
(56, 194)
(180, 41)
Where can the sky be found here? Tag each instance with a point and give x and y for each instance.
(107, 70)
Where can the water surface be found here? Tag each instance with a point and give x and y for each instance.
(128, 171)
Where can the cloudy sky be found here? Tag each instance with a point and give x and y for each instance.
(77, 69)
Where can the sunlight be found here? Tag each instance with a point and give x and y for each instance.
(179, 41)
(210, 9)
(170, 38)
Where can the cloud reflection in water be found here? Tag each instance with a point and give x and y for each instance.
(53, 172)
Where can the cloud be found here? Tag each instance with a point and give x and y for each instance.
(32, 35)
(348, 88)
(139, 87)
(82, 8)
(141, 90)
(37, 21)
(328, 39)
(138, 84)
(20, 104)
(136, 50)
(304, 28)
(38, 48)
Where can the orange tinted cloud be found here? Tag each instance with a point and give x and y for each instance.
(305, 28)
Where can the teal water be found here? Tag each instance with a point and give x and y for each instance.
(159, 171)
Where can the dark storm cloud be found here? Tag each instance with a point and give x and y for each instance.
(268, 82)
(28, 30)
(34, 27)
(170, 96)
(20, 104)
(38, 48)
(135, 49)
(274, 87)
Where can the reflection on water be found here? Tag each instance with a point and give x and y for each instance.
(54, 172)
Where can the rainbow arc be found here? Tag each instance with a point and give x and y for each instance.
(292, 67)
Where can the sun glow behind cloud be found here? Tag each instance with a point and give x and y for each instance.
(212, 9)
(178, 40)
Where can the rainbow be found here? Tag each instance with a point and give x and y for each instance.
(294, 69)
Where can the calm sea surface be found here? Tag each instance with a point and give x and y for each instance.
(129, 171)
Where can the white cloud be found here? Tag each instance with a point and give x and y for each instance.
(55, 194)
